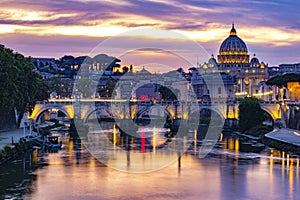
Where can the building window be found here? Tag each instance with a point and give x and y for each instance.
(219, 90)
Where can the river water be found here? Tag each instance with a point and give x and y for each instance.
(225, 173)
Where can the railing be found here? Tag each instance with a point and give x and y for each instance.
(150, 102)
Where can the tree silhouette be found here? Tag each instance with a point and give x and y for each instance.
(250, 113)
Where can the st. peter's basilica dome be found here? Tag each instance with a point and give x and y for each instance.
(233, 49)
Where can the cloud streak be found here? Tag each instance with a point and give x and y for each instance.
(259, 22)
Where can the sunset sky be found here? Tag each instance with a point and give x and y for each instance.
(53, 28)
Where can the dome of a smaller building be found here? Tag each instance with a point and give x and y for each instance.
(212, 61)
(254, 59)
(144, 72)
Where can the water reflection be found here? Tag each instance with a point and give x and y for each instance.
(226, 173)
(228, 177)
(17, 175)
(146, 149)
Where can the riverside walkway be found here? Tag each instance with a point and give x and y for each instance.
(6, 137)
(285, 135)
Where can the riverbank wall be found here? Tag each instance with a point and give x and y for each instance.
(283, 140)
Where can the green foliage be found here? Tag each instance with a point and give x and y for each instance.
(108, 90)
(282, 80)
(20, 86)
(259, 130)
(83, 86)
(66, 61)
(250, 113)
(274, 144)
(63, 87)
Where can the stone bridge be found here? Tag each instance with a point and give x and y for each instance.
(107, 108)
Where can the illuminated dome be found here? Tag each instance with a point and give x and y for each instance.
(233, 49)
(254, 59)
(212, 62)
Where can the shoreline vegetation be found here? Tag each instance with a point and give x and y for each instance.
(20, 88)
(12, 151)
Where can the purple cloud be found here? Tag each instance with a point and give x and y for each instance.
(177, 14)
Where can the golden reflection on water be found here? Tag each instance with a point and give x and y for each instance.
(115, 135)
(140, 152)
(237, 145)
(289, 165)
(154, 138)
(231, 144)
(291, 181)
(297, 168)
(225, 143)
(221, 137)
(289, 169)
(221, 178)
(35, 156)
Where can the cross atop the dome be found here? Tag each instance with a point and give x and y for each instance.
(233, 31)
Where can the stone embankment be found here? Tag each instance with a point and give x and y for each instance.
(283, 139)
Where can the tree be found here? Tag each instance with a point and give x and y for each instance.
(83, 86)
(282, 80)
(20, 86)
(107, 90)
(250, 113)
(41, 65)
(108, 62)
(8, 77)
(62, 86)
(125, 69)
(66, 61)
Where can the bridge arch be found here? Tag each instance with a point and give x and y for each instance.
(269, 112)
(208, 108)
(37, 114)
(101, 109)
(146, 109)
(219, 114)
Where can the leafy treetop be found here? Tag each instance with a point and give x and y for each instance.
(281, 81)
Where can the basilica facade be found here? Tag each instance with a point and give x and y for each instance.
(234, 59)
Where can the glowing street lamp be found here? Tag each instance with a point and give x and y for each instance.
(205, 67)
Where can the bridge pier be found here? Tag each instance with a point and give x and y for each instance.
(231, 123)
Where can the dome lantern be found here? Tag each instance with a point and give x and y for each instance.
(233, 31)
